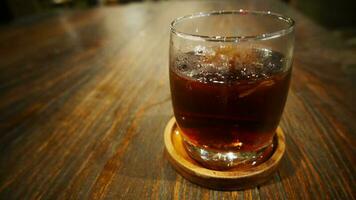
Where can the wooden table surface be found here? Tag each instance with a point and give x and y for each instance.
(84, 99)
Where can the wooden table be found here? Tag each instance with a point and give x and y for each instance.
(84, 99)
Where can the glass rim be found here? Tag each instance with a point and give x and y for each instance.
(217, 38)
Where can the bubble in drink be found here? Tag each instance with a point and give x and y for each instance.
(229, 98)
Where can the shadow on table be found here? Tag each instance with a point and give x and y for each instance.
(159, 168)
(144, 158)
(288, 166)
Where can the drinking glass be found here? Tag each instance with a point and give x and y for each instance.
(229, 78)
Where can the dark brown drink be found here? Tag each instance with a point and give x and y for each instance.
(229, 99)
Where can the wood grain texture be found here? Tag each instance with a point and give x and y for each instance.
(84, 99)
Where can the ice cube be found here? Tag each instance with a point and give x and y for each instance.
(263, 84)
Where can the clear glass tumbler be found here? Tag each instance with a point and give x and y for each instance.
(229, 77)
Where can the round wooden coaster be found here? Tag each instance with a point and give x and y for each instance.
(220, 180)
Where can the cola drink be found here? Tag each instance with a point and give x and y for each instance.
(228, 98)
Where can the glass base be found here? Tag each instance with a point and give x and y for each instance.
(227, 160)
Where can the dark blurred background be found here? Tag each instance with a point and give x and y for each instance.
(338, 16)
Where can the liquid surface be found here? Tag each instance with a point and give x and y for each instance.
(229, 99)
